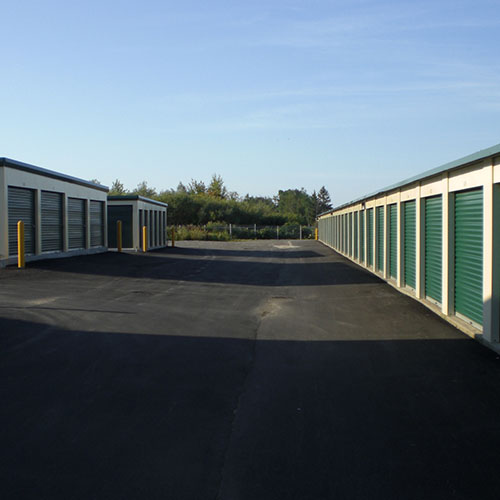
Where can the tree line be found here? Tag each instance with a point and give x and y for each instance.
(198, 203)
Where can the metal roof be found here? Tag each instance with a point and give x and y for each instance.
(461, 162)
(19, 165)
(135, 197)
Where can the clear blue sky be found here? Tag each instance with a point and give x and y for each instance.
(352, 94)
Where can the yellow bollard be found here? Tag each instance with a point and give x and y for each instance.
(144, 238)
(316, 234)
(119, 235)
(20, 244)
(173, 237)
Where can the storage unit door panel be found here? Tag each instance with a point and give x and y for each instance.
(356, 235)
(21, 206)
(433, 247)
(349, 234)
(76, 223)
(362, 235)
(52, 221)
(123, 213)
(410, 241)
(393, 240)
(369, 237)
(380, 238)
(96, 223)
(469, 254)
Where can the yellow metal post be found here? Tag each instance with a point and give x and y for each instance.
(316, 234)
(20, 244)
(119, 235)
(173, 236)
(144, 238)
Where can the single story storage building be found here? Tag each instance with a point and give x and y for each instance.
(135, 212)
(62, 215)
(435, 236)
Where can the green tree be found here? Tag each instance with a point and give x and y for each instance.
(117, 188)
(196, 187)
(143, 189)
(323, 200)
(216, 188)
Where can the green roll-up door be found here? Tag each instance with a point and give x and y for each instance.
(433, 247)
(380, 238)
(369, 237)
(469, 254)
(349, 234)
(362, 235)
(410, 243)
(356, 214)
(393, 240)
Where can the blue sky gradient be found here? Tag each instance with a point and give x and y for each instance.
(271, 95)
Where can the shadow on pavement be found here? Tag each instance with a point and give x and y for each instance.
(114, 416)
(164, 265)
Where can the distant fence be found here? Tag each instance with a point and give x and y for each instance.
(228, 232)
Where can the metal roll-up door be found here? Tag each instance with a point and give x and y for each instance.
(52, 221)
(433, 247)
(362, 235)
(141, 225)
(410, 243)
(76, 223)
(393, 241)
(157, 228)
(369, 237)
(380, 238)
(469, 254)
(356, 214)
(150, 228)
(350, 234)
(123, 213)
(96, 223)
(21, 206)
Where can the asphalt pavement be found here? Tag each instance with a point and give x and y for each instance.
(260, 370)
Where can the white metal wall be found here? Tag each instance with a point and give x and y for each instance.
(38, 182)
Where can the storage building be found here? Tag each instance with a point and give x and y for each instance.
(435, 237)
(135, 212)
(62, 215)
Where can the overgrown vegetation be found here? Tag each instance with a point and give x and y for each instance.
(198, 204)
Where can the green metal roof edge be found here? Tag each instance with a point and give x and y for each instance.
(26, 167)
(135, 197)
(461, 162)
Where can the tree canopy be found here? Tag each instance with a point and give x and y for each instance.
(199, 203)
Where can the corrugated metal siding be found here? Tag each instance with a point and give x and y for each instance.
(141, 225)
(356, 239)
(349, 234)
(369, 237)
(469, 254)
(380, 238)
(52, 221)
(96, 223)
(362, 235)
(410, 241)
(433, 247)
(21, 206)
(393, 240)
(76, 223)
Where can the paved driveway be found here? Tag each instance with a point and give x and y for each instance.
(253, 370)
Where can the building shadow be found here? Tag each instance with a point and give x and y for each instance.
(113, 416)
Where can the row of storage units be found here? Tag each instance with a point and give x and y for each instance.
(437, 236)
(137, 212)
(65, 216)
